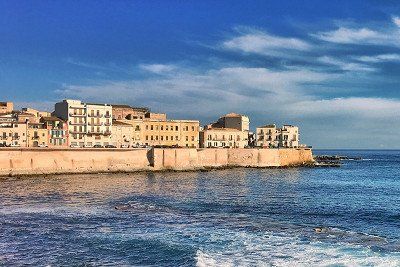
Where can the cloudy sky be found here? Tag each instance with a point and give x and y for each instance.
(331, 67)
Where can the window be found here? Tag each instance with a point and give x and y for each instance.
(193, 128)
(166, 127)
(157, 137)
(162, 128)
(187, 128)
(176, 128)
(147, 127)
(151, 137)
(187, 138)
(147, 137)
(162, 138)
(192, 138)
(176, 137)
(151, 127)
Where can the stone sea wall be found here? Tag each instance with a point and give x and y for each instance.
(50, 161)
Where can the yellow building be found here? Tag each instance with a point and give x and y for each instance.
(6, 107)
(178, 133)
(38, 135)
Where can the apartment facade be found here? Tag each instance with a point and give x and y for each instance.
(177, 133)
(14, 134)
(57, 130)
(122, 134)
(223, 137)
(88, 124)
(269, 136)
(37, 135)
(233, 121)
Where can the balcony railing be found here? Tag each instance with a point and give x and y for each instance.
(95, 124)
(107, 132)
(77, 114)
(77, 123)
(95, 115)
(107, 116)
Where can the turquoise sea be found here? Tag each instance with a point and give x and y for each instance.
(236, 217)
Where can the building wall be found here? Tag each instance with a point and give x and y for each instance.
(223, 137)
(124, 112)
(37, 136)
(181, 133)
(47, 161)
(6, 107)
(14, 134)
(122, 134)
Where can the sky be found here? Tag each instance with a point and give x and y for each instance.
(330, 67)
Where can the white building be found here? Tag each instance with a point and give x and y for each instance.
(272, 137)
(88, 124)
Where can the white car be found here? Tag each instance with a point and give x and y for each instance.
(15, 145)
(87, 146)
(42, 145)
(74, 146)
(124, 146)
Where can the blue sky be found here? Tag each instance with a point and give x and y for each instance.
(331, 67)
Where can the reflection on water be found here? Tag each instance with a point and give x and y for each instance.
(226, 217)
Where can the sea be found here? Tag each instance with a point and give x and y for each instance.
(346, 216)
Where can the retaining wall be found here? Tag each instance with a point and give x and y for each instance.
(47, 161)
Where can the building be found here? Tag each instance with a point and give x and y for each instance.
(233, 121)
(272, 137)
(170, 133)
(37, 136)
(14, 135)
(289, 136)
(6, 107)
(88, 124)
(6, 119)
(123, 135)
(57, 131)
(230, 130)
(223, 137)
(38, 114)
(125, 112)
(156, 116)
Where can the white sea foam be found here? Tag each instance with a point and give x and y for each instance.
(269, 250)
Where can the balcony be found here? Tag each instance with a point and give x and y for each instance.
(77, 114)
(95, 124)
(77, 123)
(95, 115)
(77, 132)
(107, 124)
(107, 116)
(107, 132)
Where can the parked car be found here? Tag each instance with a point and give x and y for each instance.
(74, 146)
(110, 146)
(42, 145)
(98, 146)
(87, 146)
(124, 146)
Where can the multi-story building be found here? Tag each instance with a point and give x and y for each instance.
(233, 121)
(230, 130)
(177, 133)
(37, 135)
(272, 137)
(223, 137)
(6, 107)
(6, 119)
(57, 131)
(88, 124)
(289, 136)
(14, 135)
(123, 134)
(125, 112)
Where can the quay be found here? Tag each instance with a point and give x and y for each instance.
(41, 161)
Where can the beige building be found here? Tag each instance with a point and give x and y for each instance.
(88, 124)
(38, 114)
(272, 137)
(14, 135)
(37, 135)
(223, 137)
(6, 107)
(233, 121)
(123, 134)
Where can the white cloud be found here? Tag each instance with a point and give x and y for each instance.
(351, 36)
(379, 58)
(157, 68)
(343, 65)
(396, 20)
(252, 41)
